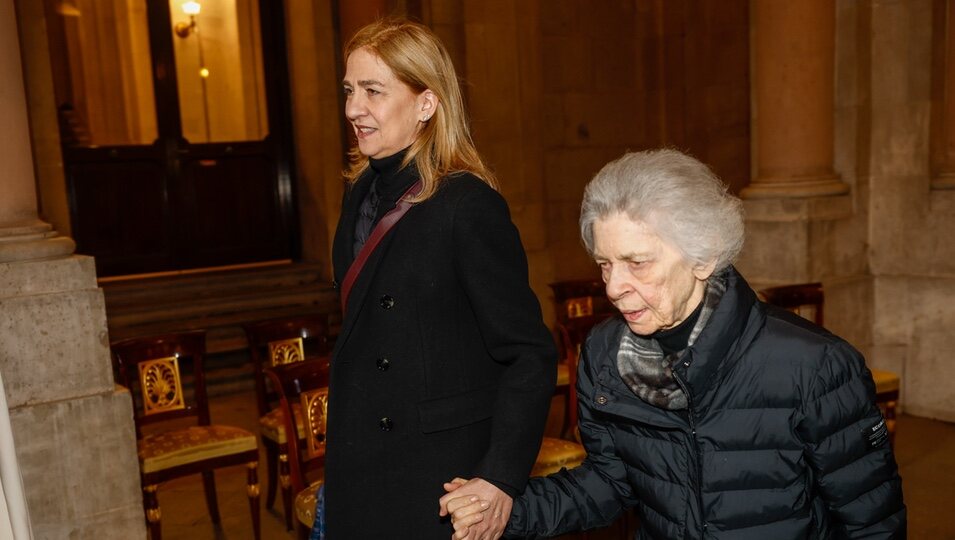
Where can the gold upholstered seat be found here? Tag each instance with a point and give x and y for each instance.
(170, 449)
(271, 425)
(151, 368)
(305, 504)
(556, 454)
(887, 386)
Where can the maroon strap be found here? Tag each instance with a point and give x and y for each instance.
(384, 225)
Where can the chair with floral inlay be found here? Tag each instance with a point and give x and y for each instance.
(271, 343)
(303, 402)
(159, 371)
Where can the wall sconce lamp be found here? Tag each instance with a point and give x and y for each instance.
(183, 29)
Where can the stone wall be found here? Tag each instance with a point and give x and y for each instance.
(912, 253)
(72, 427)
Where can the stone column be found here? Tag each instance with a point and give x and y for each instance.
(793, 72)
(22, 234)
(72, 427)
(796, 201)
(943, 117)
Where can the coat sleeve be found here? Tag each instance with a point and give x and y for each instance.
(588, 496)
(492, 268)
(844, 437)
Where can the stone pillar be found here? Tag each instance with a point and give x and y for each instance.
(796, 202)
(72, 428)
(793, 72)
(22, 235)
(943, 115)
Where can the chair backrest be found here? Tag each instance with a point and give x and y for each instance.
(580, 298)
(155, 369)
(804, 299)
(304, 383)
(283, 341)
(572, 334)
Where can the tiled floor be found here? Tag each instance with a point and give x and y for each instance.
(925, 450)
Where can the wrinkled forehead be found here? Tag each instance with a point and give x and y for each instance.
(617, 235)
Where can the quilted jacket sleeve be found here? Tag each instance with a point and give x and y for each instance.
(845, 443)
(588, 496)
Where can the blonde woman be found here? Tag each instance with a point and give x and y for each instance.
(443, 367)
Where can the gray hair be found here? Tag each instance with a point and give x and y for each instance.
(677, 196)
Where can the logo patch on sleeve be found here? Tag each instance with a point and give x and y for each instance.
(877, 434)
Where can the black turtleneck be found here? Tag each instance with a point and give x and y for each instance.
(676, 339)
(390, 182)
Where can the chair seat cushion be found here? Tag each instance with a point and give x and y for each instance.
(556, 454)
(160, 451)
(305, 503)
(272, 425)
(885, 381)
(563, 374)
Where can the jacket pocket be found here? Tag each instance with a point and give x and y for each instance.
(458, 410)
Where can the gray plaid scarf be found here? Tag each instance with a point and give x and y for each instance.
(648, 372)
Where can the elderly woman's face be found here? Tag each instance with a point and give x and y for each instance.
(384, 112)
(647, 279)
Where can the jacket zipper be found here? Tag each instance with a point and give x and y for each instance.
(696, 452)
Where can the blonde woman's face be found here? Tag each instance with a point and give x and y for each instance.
(384, 112)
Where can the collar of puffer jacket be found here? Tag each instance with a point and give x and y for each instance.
(729, 332)
(731, 328)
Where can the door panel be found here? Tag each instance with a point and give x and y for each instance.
(175, 147)
(235, 216)
(119, 213)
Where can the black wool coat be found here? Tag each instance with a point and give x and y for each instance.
(782, 439)
(443, 367)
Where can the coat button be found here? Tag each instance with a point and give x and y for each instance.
(386, 301)
(386, 424)
(602, 400)
(383, 364)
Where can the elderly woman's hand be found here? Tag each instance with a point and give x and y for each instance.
(478, 512)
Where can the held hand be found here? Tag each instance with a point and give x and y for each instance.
(465, 512)
(493, 518)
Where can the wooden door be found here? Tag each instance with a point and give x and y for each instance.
(175, 128)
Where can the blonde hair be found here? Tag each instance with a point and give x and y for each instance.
(418, 59)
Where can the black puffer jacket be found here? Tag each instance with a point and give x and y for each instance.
(782, 439)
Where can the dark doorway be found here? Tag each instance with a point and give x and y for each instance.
(176, 131)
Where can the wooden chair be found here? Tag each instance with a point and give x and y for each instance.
(575, 299)
(304, 384)
(275, 342)
(151, 367)
(572, 334)
(808, 300)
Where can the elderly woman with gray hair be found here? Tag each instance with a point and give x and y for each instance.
(714, 414)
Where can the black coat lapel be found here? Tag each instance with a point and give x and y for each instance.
(343, 246)
(356, 300)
